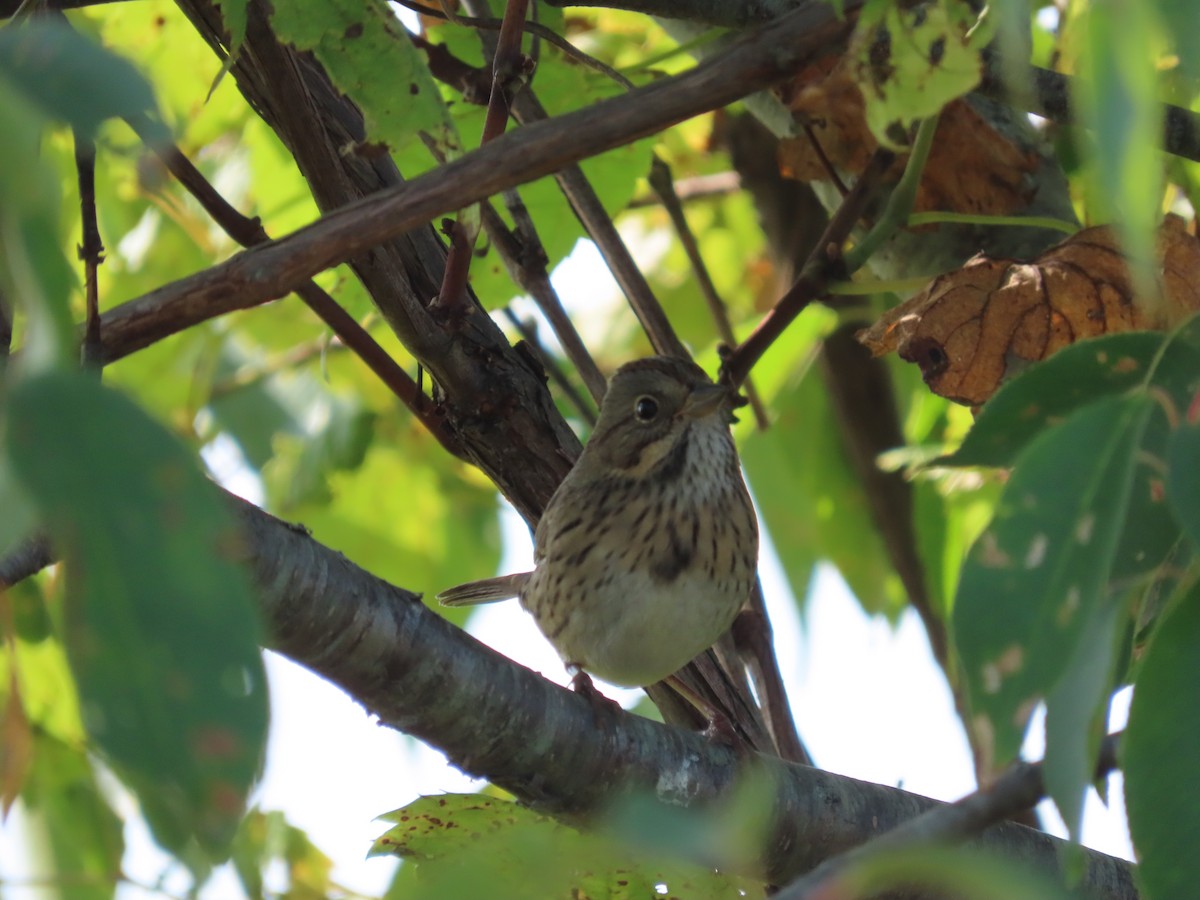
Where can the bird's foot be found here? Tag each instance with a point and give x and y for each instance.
(603, 708)
(722, 732)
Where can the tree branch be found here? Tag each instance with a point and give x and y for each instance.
(822, 266)
(1017, 789)
(266, 273)
(91, 247)
(249, 233)
(663, 184)
(1051, 99)
(507, 79)
(421, 675)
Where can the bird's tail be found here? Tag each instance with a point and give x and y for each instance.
(489, 590)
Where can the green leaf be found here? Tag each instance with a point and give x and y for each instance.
(20, 518)
(1036, 576)
(161, 628)
(234, 14)
(1179, 24)
(470, 845)
(72, 820)
(1077, 712)
(410, 517)
(911, 63)
(1116, 92)
(289, 424)
(1159, 753)
(811, 499)
(69, 77)
(1046, 393)
(368, 54)
(1183, 475)
(266, 839)
(944, 871)
(34, 273)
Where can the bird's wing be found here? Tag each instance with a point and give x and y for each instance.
(502, 587)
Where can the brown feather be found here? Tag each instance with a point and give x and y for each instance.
(489, 590)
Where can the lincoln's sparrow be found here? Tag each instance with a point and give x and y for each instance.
(648, 548)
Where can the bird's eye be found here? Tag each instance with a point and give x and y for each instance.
(645, 409)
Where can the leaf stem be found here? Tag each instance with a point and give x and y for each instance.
(900, 203)
(936, 217)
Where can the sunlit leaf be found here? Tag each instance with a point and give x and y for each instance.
(913, 62)
(368, 55)
(409, 517)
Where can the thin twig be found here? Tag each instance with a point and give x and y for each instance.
(823, 265)
(695, 187)
(264, 273)
(1051, 99)
(528, 269)
(249, 232)
(664, 185)
(826, 163)
(529, 334)
(535, 42)
(599, 225)
(6, 332)
(506, 80)
(754, 640)
(249, 375)
(1017, 789)
(91, 248)
(535, 30)
(530, 249)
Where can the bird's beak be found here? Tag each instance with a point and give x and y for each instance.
(704, 401)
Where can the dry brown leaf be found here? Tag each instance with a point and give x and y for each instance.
(16, 747)
(826, 96)
(970, 328)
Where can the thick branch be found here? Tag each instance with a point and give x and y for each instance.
(1051, 99)
(1016, 790)
(271, 271)
(420, 674)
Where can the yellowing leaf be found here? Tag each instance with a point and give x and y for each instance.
(912, 62)
(970, 329)
(367, 53)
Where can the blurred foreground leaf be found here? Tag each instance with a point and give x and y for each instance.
(161, 629)
(470, 845)
(1160, 753)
